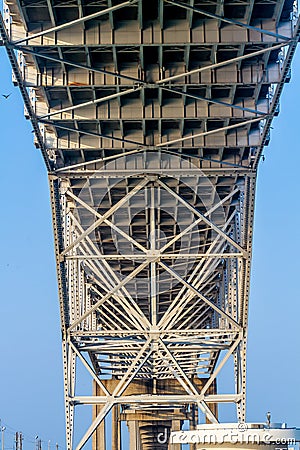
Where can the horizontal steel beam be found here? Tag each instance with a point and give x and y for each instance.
(210, 100)
(91, 102)
(225, 63)
(216, 332)
(154, 399)
(119, 173)
(208, 133)
(70, 63)
(156, 256)
(227, 20)
(77, 21)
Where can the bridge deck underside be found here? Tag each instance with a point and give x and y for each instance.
(152, 117)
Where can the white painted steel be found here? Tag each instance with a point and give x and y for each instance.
(151, 122)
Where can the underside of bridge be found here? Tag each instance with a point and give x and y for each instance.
(151, 116)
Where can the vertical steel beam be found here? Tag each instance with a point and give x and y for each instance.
(153, 275)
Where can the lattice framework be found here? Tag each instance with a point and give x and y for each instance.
(152, 121)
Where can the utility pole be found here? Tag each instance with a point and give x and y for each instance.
(18, 440)
(2, 436)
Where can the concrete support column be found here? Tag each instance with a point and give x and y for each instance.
(99, 436)
(134, 440)
(115, 429)
(176, 426)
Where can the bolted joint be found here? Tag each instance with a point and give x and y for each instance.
(61, 258)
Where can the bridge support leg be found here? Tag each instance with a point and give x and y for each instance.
(69, 384)
(134, 440)
(99, 437)
(176, 426)
(115, 428)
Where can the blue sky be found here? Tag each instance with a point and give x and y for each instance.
(31, 393)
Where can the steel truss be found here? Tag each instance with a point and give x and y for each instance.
(129, 337)
(152, 209)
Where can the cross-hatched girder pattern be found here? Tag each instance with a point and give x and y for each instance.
(151, 117)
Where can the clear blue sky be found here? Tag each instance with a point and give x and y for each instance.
(31, 394)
